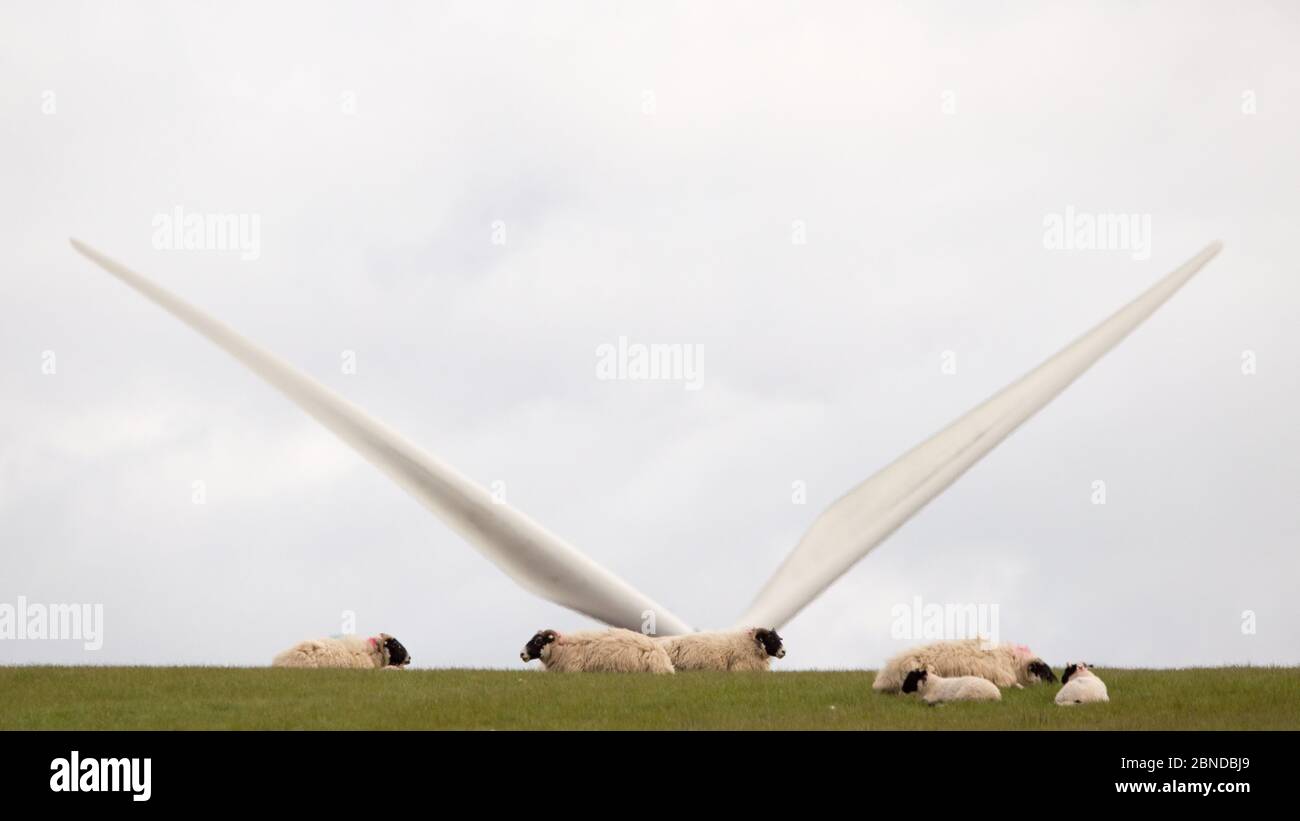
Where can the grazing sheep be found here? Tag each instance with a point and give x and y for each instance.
(1081, 686)
(1005, 665)
(346, 651)
(597, 651)
(732, 650)
(936, 689)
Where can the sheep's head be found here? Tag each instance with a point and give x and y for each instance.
(914, 680)
(394, 653)
(1036, 670)
(1073, 670)
(533, 649)
(770, 642)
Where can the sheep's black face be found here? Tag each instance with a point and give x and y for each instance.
(533, 649)
(397, 655)
(1072, 670)
(1039, 670)
(913, 680)
(771, 642)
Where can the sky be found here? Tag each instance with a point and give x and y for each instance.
(843, 208)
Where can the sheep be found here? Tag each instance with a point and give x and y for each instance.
(1081, 686)
(936, 689)
(346, 651)
(750, 649)
(1005, 665)
(607, 651)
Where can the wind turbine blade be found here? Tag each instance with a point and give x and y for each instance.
(863, 518)
(535, 558)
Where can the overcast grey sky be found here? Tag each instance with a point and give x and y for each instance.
(473, 197)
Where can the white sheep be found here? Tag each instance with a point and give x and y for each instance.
(1005, 665)
(936, 689)
(346, 651)
(734, 650)
(1081, 686)
(597, 651)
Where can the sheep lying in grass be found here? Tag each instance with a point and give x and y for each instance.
(1005, 665)
(597, 651)
(346, 651)
(1081, 686)
(733, 650)
(936, 689)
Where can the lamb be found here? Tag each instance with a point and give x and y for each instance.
(1081, 686)
(606, 651)
(936, 689)
(346, 651)
(734, 650)
(1005, 665)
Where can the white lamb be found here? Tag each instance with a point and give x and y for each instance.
(733, 650)
(936, 689)
(346, 651)
(1006, 665)
(1081, 686)
(597, 651)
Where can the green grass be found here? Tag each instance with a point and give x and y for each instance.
(102, 698)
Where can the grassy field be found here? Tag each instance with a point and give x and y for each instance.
(245, 698)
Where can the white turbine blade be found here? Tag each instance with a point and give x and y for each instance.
(863, 518)
(538, 560)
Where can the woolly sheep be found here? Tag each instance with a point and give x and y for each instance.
(346, 651)
(1005, 665)
(750, 649)
(936, 689)
(597, 651)
(1081, 686)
